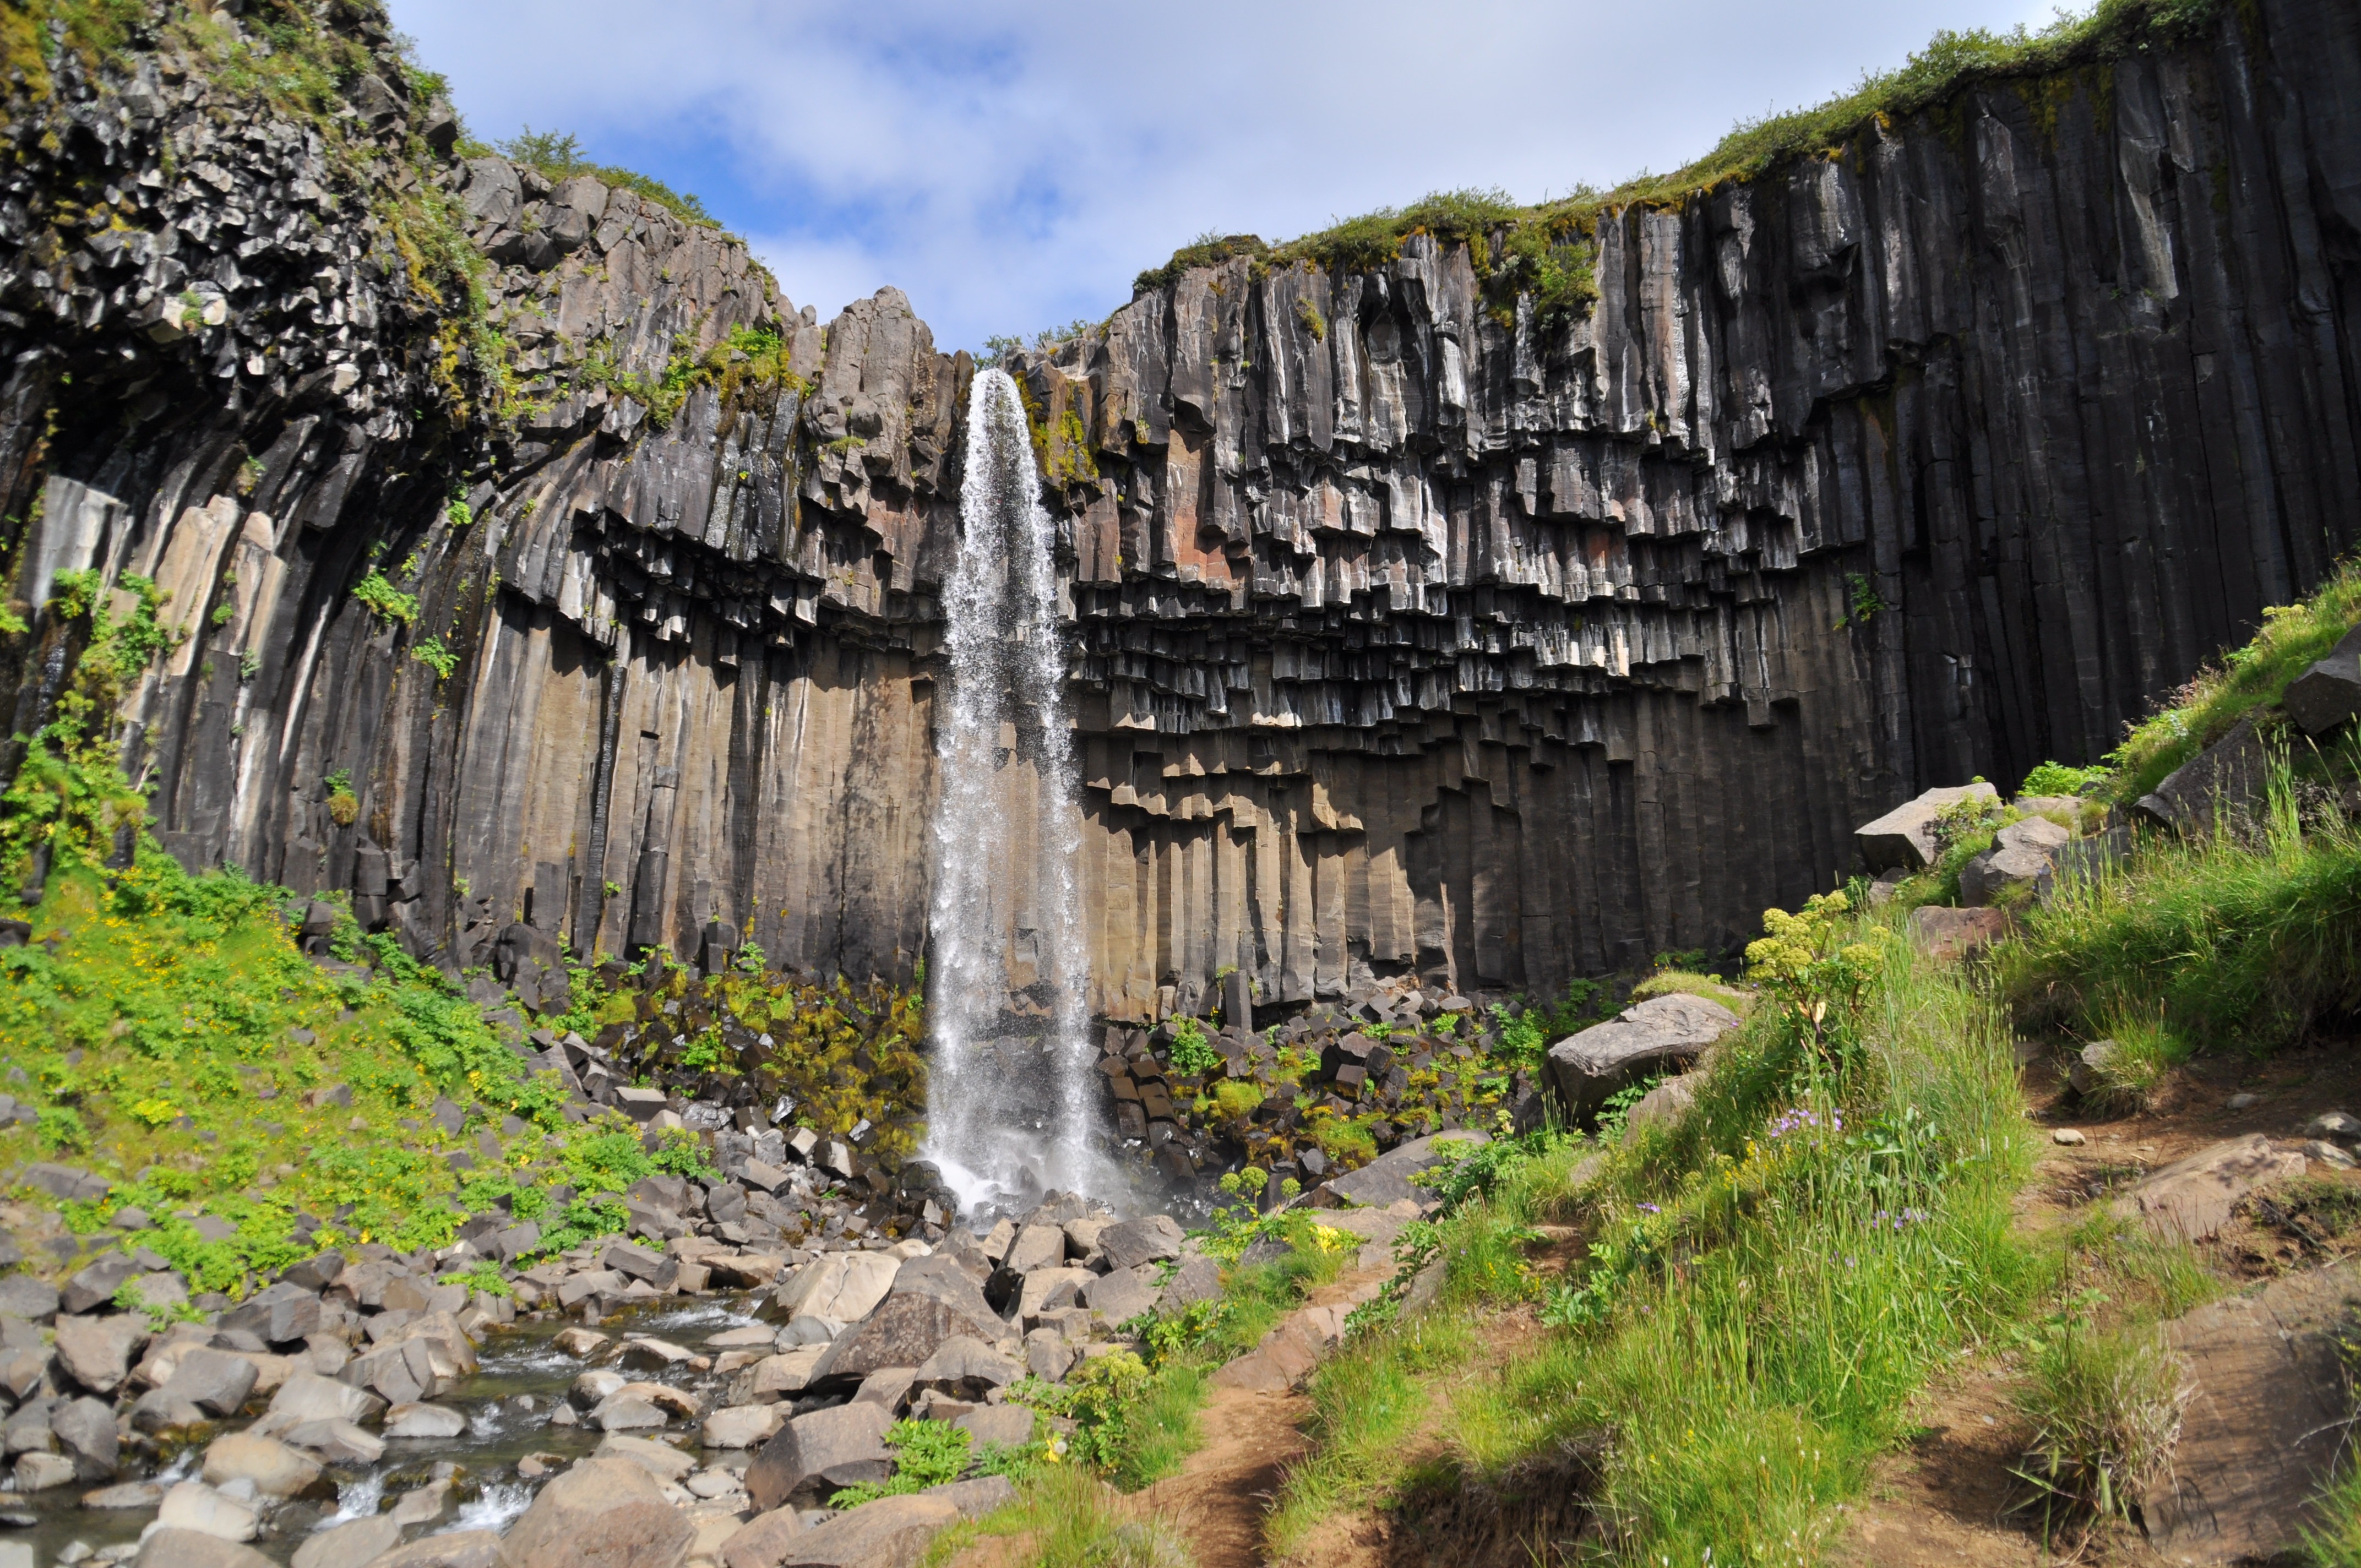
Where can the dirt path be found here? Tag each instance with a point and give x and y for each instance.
(1218, 1500)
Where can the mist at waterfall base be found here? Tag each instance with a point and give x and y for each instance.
(1012, 1094)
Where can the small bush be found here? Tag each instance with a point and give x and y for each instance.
(2105, 1407)
(1192, 1055)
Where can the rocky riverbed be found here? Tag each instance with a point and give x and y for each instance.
(378, 1408)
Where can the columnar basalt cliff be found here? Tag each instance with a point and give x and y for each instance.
(1412, 626)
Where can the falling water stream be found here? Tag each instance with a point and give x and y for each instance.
(1009, 1100)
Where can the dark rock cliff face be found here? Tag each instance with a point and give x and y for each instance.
(1408, 630)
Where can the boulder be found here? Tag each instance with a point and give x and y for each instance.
(1010, 1426)
(336, 1442)
(845, 1286)
(661, 1460)
(2265, 1421)
(1038, 1246)
(41, 1471)
(891, 1532)
(603, 1513)
(214, 1380)
(1662, 1105)
(2329, 693)
(274, 1469)
(192, 1505)
(96, 1285)
(905, 1330)
(1387, 1179)
(86, 1434)
(966, 1368)
(2226, 779)
(1903, 838)
(1122, 1294)
(308, 1397)
(176, 1547)
(1588, 1067)
(124, 1495)
(1198, 1279)
(353, 1545)
(1047, 1289)
(774, 1376)
(280, 1315)
(2194, 1197)
(22, 1296)
(1947, 935)
(762, 1541)
(975, 1498)
(814, 1454)
(96, 1352)
(424, 1421)
(1150, 1239)
(452, 1548)
(2022, 856)
(742, 1426)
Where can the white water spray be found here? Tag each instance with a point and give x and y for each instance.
(1009, 1093)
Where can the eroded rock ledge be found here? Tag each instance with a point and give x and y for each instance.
(1408, 630)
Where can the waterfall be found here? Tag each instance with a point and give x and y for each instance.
(1009, 1093)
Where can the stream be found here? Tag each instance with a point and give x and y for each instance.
(523, 1378)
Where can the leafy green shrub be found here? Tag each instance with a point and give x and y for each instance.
(382, 600)
(1193, 1055)
(925, 1453)
(432, 653)
(2057, 778)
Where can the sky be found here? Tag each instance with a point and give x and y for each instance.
(1011, 167)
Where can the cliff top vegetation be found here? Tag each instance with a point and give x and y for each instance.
(1950, 63)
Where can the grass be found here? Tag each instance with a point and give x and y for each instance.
(2105, 1406)
(1713, 988)
(1068, 1518)
(2247, 678)
(560, 157)
(2226, 941)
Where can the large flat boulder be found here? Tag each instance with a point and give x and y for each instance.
(177, 1547)
(814, 1454)
(2265, 1423)
(1149, 1239)
(2329, 693)
(1587, 1068)
(2194, 1197)
(843, 1286)
(891, 1532)
(1387, 1179)
(603, 1513)
(350, 1545)
(1903, 838)
(2225, 780)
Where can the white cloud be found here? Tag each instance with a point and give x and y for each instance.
(1011, 166)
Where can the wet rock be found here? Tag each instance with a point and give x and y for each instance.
(626, 1412)
(1903, 838)
(814, 1454)
(351, 1545)
(580, 1342)
(336, 1442)
(191, 1505)
(423, 1420)
(2194, 1197)
(661, 1460)
(86, 1435)
(1589, 1067)
(742, 1426)
(452, 1548)
(603, 1513)
(41, 1471)
(271, 1466)
(177, 1547)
